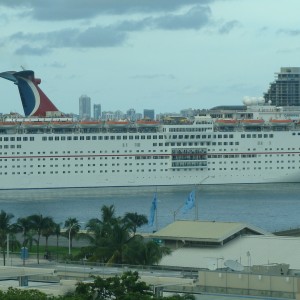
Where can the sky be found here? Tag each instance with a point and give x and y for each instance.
(165, 55)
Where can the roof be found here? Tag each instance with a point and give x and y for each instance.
(205, 231)
(247, 250)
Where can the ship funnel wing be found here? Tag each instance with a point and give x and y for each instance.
(34, 101)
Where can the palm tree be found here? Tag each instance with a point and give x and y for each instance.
(39, 223)
(48, 229)
(136, 220)
(72, 228)
(22, 225)
(113, 239)
(5, 228)
(57, 234)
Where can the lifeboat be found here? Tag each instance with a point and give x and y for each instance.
(8, 124)
(226, 122)
(147, 123)
(62, 124)
(252, 122)
(89, 124)
(117, 123)
(35, 124)
(280, 122)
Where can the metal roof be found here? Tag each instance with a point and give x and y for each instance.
(204, 231)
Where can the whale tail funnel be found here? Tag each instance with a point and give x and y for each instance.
(34, 101)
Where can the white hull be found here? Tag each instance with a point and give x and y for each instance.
(48, 163)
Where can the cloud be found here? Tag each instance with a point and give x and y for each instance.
(28, 50)
(153, 76)
(229, 26)
(106, 36)
(290, 32)
(194, 18)
(78, 9)
(92, 37)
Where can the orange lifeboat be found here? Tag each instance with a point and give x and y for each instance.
(117, 123)
(226, 122)
(252, 122)
(8, 124)
(281, 122)
(147, 123)
(89, 124)
(62, 124)
(35, 124)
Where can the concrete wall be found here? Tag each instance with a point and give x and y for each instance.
(249, 284)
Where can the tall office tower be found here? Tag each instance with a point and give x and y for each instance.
(285, 90)
(97, 111)
(84, 107)
(131, 114)
(149, 114)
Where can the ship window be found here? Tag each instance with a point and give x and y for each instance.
(242, 136)
(75, 138)
(69, 138)
(6, 139)
(44, 138)
(18, 139)
(57, 138)
(82, 138)
(106, 138)
(12, 139)
(50, 138)
(31, 138)
(100, 137)
(131, 137)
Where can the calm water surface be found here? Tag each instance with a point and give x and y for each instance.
(269, 206)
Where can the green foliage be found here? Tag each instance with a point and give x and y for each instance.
(17, 294)
(113, 240)
(124, 287)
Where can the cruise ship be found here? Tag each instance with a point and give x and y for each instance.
(46, 149)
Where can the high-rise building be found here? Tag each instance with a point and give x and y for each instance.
(285, 90)
(97, 111)
(131, 114)
(84, 107)
(149, 114)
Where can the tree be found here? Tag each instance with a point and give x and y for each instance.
(136, 220)
(127, 286)
(113, 239)
(5, 229)
(38, 223)
(48, 229)
(72, 225)
(57, 233)
(22, 225)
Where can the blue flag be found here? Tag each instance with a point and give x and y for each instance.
(153, 210)
(190, 202)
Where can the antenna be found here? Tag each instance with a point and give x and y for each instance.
(23, 68)
(234, 265)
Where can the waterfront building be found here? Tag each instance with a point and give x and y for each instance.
(84, 107)
(97, 111)
(285, 90)
(149, 114)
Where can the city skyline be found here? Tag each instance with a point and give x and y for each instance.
(170, 54)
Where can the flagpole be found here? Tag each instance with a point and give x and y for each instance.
(196, 206)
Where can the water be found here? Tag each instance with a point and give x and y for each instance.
(268, 206)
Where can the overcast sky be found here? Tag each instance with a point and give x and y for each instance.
(165, 55)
